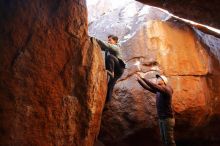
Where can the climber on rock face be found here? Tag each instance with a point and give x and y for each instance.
(113, 62)
(164, 106)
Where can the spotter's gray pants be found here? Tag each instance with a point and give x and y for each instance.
(167, 131)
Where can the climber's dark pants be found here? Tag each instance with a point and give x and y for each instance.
(114, 66)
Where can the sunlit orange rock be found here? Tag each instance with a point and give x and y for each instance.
(178, 50)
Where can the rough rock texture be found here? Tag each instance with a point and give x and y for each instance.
(201, 11)
(194, 72)
(52, 78)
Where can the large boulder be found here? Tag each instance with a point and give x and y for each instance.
(51, 74)
(189, 57)
(193, 70)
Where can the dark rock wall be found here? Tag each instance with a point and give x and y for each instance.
(202, 11)
(50, 74)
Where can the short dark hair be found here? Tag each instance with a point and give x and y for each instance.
(115, 38)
